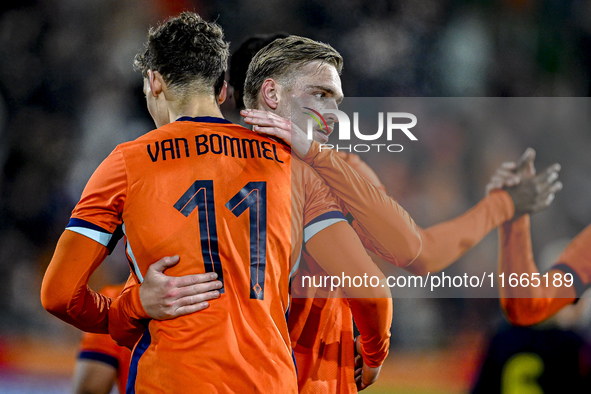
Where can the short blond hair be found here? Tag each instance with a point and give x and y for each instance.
(282, 58)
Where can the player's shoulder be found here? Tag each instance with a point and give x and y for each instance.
(303, 168)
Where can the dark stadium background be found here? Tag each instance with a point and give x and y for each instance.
(68, 95)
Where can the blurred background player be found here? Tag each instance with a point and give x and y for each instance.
(568, 278)
(101, 363)
(543, 351)
(551, 357)
(548, 358)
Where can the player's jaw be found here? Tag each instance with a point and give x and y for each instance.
(321, 134)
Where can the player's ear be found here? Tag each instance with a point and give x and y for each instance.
(156, 82)
(223, 94)
(270, 93)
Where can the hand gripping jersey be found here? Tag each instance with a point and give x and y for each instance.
(219, 196)
(102, 348)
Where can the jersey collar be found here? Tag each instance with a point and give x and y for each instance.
(203, 119)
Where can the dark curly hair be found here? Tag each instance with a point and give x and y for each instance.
(189, 52)
(281, 59)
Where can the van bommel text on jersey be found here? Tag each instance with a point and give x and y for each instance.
(243, 148)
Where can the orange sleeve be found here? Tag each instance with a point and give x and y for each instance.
(373, 318)
(362, 168)
(371, 306)
(446, 242)
(391, 231)
(526, 305)
(83, 247)
(127, 318)
(102, 342)
(577, 258)
(64, 292)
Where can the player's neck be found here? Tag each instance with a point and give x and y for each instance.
(200, 106)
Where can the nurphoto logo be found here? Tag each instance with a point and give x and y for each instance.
(396, 122)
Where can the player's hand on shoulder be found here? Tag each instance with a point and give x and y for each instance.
(165, 297)
(268, 123)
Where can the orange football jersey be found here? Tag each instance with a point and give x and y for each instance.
(219, 196)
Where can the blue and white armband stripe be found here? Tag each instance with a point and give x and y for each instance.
(321, 222)
(96, 233)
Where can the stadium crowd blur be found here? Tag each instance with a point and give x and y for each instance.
(68, 96)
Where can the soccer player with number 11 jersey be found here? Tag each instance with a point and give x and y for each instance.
(221, 198)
